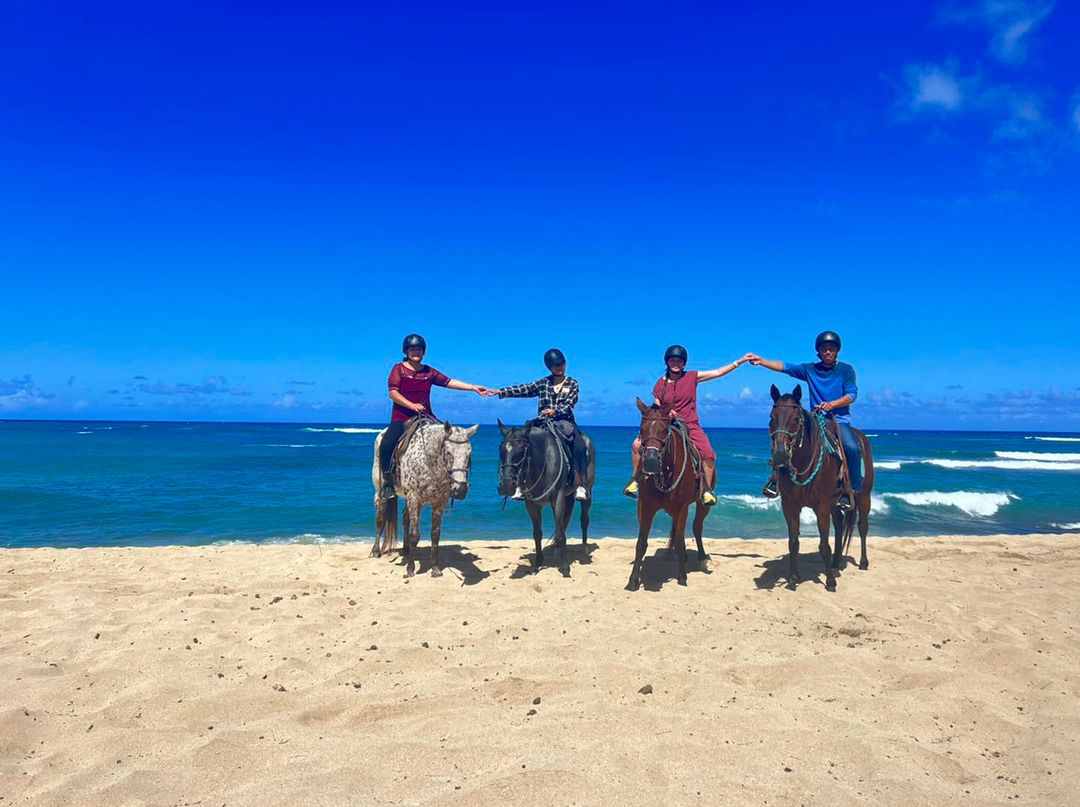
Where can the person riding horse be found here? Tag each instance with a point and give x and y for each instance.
(832, 391)
(410, 384)
(556, 395)
(676, 391)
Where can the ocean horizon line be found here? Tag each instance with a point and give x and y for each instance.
(382, 424)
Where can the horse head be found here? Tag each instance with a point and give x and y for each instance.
(787, 426)
(457, 453)
(653, 435)
(512, 454)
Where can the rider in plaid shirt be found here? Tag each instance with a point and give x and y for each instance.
(556, 396)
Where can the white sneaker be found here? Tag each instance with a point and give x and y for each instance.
(518, 496)
(581, 494)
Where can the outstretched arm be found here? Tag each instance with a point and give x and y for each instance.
(530, 390)
(772, 364)
(467, 387)
(720, 372)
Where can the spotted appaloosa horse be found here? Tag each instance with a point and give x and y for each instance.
(809, 470)
(432, 470)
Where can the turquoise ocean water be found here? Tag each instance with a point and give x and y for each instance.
(131, 483)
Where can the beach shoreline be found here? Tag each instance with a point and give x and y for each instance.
(311, 673)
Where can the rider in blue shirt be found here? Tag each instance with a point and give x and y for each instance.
(832, 391)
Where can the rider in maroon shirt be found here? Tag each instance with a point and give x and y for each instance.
(410, 384)
(676, 392)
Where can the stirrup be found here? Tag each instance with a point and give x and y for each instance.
(708, 498)
(771, 489)
(388, 492)
(846, 502)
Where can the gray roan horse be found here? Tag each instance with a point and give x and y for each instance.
(432, 470)
(805, 452)
(530, 456)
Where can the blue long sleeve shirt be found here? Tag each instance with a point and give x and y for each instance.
(827, 384)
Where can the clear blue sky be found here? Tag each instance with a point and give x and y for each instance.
(211, 214)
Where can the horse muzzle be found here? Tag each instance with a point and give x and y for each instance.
(459, 490)
(650, 461)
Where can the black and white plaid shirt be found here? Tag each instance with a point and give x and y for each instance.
(562, 401)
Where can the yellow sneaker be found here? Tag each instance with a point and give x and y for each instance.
(631, 490)
(708, 498)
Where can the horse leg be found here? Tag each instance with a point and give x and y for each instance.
(830, 559)
(864, 528)
(563, 508)
(792, 518)
(538, 533)
(645, 520)
(436, 531)
(679, 530)
(700, 511)
(412, 536)
(585, 507)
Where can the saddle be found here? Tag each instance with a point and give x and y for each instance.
(564, 441)
(695, 455)
(412, 425)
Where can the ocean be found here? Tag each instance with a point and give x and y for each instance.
(72, 484)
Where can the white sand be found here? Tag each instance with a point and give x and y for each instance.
(948, 673)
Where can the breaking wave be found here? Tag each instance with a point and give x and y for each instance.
(1005, 465)
(1056, 439)
(972, 503)
(1074, 525)
(342, 430)
(1040, 456)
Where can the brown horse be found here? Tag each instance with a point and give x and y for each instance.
(668, 480)
(806, 454)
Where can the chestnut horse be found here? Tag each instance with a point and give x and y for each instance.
(806, 454)
(668, 480)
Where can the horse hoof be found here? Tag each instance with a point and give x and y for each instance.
(682, 581)
(793, 583)
(436, 571)
(410, 572)
(864, 565)
(633, 585)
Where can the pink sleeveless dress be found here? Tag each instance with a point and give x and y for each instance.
(681, 396)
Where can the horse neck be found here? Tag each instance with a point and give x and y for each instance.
(810, 444)
(541, 461)
(431, 445)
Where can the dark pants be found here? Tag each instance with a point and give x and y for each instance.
(852, 453)
(578, 450)
(388, 444)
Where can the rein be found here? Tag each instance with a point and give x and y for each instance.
(663, 452)
(525, 463)
(825, 447)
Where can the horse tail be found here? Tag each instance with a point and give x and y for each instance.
(389, 525)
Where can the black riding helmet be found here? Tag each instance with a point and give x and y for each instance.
(553, 358)
(675, 351)
(826, 337)
(413, 340)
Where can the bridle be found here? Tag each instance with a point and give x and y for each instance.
(523, 464)
(662, 448)
(825, 446)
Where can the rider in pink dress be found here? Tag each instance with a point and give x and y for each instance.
(676, 392)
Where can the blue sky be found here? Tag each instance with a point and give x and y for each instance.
(238, 214)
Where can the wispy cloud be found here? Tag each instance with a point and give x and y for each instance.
(354, 392)
(21, 393)
(214, 385)
(932, 87)
(301, 383)
(140, 378)
(1010, 23)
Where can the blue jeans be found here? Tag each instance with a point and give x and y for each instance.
(853, 454)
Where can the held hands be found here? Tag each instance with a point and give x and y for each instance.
(753, 358)
(484, 392)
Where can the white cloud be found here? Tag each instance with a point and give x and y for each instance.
(1010, 23)
(21, 393)
(746, 394)
(933, 87)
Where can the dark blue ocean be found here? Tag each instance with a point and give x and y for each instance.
(131, 483)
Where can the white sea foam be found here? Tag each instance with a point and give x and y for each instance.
(1040, 456)
(887, 466)
(877, 505)
(303, 538)
(343, 430)
(1005, 465)
(288, 445)
(84, 432)
(1074, 525)
(871, 435)
(1056, 439)
(972, 503)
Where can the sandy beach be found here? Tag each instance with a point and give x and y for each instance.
(300, 674)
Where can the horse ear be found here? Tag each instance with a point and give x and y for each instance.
(775, 393)
(797, 393)
(469, 432)
(502, 428)
(641, 406)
